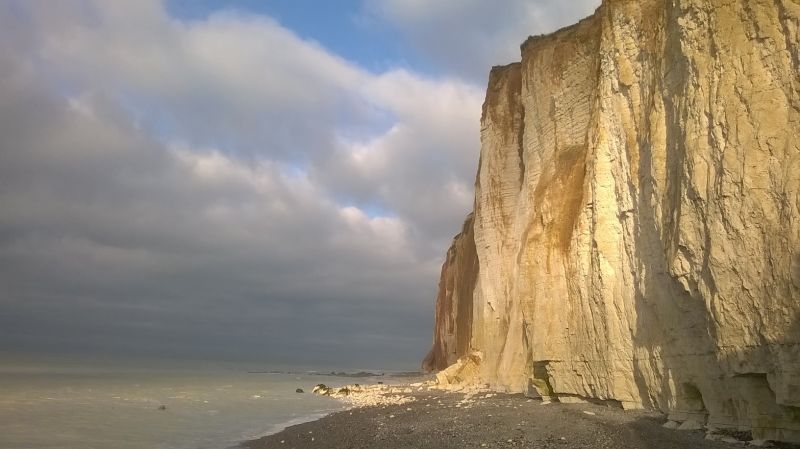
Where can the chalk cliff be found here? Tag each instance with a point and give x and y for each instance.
(453, 329)
(636, 232)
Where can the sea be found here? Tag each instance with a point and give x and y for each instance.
(70, 403)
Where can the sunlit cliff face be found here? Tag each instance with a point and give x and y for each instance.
(635, 218)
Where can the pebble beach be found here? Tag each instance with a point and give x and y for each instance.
(406, 417)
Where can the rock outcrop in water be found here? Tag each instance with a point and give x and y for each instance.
(636, 232)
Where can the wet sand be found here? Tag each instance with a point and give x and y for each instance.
(442, 420)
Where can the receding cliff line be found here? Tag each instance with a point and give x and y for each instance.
(636, 233)
(453, 329)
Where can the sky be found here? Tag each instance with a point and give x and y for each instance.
(269, 181)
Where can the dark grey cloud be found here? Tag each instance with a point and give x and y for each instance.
(111, 241)
(170, 188)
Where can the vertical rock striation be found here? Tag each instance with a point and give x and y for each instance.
(636, 233)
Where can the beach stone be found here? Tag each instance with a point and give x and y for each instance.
(299, 390)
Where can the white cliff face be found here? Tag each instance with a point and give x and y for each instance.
(637, 214)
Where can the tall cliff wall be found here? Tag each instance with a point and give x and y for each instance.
(636, 231)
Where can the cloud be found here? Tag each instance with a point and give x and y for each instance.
(110, 237)
(221, 80)
(224, 188)
(184, 182)
(423, 167)
(470, 36)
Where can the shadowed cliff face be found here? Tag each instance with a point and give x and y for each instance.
(453, 328)
(636, 232)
